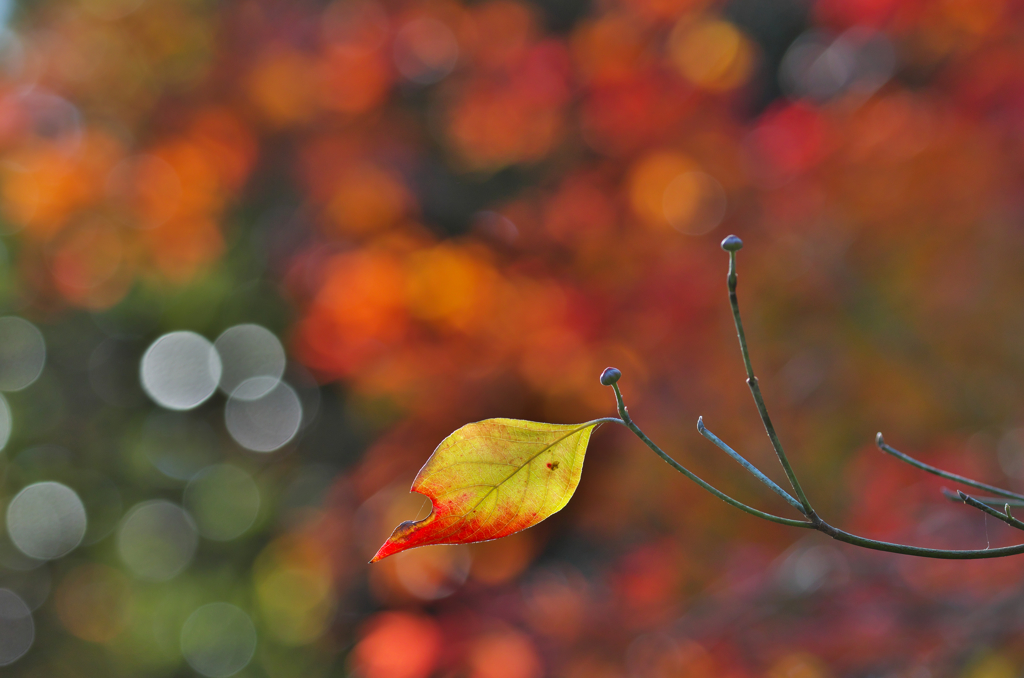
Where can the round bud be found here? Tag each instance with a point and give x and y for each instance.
(610, 376)
(732, 244)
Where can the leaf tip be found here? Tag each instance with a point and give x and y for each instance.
(404, 537)
(390, 548)
(382, 553)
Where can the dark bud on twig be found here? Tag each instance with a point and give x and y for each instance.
(879, 440)
(732, 244)
(962, 496)
(610, 376)
(700, 424)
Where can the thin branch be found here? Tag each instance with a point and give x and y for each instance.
(817, 524)
(1005, 517)
(624, 413)
(610, 376)
(732, 244)
(945, 474)
(990, 501)
(941, 554)
(753, 470)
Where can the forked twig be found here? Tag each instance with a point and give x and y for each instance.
(748, 466)
(812, 520)
(880, 441)
(1006, 517)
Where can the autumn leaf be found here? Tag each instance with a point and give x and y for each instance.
(493, 478)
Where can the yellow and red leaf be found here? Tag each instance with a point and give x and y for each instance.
(493, 478)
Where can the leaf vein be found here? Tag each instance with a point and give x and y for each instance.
(460, 489)
(497, 488)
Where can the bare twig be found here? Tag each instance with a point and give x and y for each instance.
(732, 245)
(945, 474)
(1005, 517)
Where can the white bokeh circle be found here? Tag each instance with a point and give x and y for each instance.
(266, 423)
(180, 370)
(46, 520)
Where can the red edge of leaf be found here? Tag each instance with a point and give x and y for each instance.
(415, 533)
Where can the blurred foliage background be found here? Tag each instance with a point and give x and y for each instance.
(259, 257)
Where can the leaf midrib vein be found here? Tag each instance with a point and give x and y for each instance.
(520, 468)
